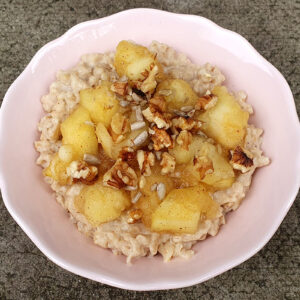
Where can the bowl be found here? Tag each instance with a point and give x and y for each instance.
(274, 188)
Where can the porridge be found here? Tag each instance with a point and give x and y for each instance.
(146, 150)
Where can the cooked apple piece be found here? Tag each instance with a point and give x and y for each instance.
(135, 62)
(154, 179)
(222, 176)
(210, 167)
(77, 130)
(148, 204)
(226, 122)
(57, 170)
(113, 149)
(178, 93)
(100, 204)
(182, 155)
(150, 200)
(66, 153)
(101, 103)
(181, 210)
(104, 139)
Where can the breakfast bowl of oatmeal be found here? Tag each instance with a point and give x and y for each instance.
(140, 160)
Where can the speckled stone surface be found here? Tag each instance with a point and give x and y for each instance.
(272, 27)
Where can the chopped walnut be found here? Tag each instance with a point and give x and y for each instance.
(161, 139)
(154, 114)
(167, 163)
(120, 176)
(79, 170)
(134, 216)
(149, 84)
(159, 102)
(184, 139)
(186, 124)
(241, 159)
(120, 88)
(205, 102)
(119, 124)
(145, 160)
(127, 154)
(203, 165)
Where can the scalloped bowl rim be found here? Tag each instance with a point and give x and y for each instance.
(110, 280)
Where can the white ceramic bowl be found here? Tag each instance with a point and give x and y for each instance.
(274, 188)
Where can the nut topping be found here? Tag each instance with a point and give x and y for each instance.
(241, 159)
(167, 163)
(161, 191)
(154, 114)
(149, 84)
(91, 159)
(184, 139)
(120, 176)
(203, 165)
(141, 138)
(79, 170)
(159, 102)
(127, 154)
(137, 125)
(161, 139)
(186, 124)
(207, 101)
(120, 88)
(134, 216)
(145, 160)
(138, 114)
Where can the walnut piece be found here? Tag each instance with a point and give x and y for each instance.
(119, 124)
(167, 163)
(184, 139)
(120, 88)
(161, 139)
(186, 124)
(120, 176)
(203, 165)
(127, 154)
(145, 160)
(134, 216)
(205, 102)
(154, 114)
(79, 170)
(241, 159)
(159, 102)
(149, 84)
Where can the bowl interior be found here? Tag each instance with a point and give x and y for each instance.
(32, 204)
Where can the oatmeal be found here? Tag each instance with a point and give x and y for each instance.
(146, 150)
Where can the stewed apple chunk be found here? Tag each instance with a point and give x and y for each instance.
(79, 132)
(101, 102)
(181, 210)
(208, 166)
(138, 64)
(57, 170)
(225, 122)
(182, 154)
(153, 189)
(178, 93)
(100, 204)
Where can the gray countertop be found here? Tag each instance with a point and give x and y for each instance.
(272, 27)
